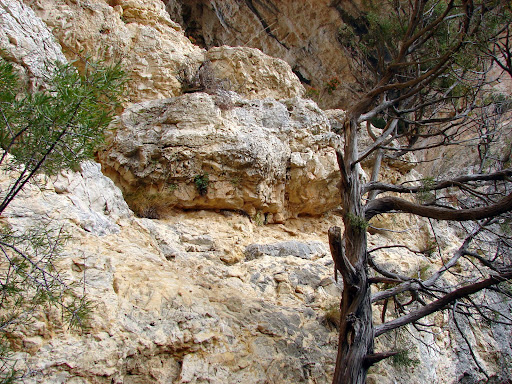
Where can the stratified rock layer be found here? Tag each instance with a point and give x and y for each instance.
(261, 156)
(166, 307)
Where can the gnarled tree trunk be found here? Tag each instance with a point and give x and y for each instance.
(356, 334)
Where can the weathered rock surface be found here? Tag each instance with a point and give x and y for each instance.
(153, 50)
(26, 41)
(202, 296)
(251, 73)
(139, 34)
(184, 317)
(262, 156)
(86, 199)
(170, 309)
(303, 33)
(287, 248)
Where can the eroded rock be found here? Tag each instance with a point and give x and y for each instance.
(253, 74)
(26, 41)
(264, 157)
(289, 248)
(138, 33)
(305, 34)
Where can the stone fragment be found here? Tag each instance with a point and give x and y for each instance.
(309, 250)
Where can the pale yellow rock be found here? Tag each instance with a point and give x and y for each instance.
(175, 299)
(154, 305)
(154, 51)
(270, 159)
(151, 48)
(253, 74)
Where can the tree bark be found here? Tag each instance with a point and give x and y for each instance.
(387, 204)
(356, 334)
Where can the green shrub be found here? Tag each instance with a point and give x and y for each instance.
(202, 181)
(403, 359)
(44, 132)
(357, 222)
(425, 193)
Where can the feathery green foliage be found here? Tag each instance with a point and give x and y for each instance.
(44, 132)
(202, 181)
(57, 128)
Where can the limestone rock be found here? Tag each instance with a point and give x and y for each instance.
(305, 34)
(154, 52)
(84, 198)
(288, 248)
(184, 316)
(26, 41)
(138, 33)
(253, 74)
(262, 156)
(175, 299)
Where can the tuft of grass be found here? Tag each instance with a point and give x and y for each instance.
(235, 181)
(259, 219)
(333, 315)
(357, 222)
(423, 271)
(144, 204)
(430, 247)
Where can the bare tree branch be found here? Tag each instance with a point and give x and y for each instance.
(385, 187)
(395, 204)
(442, 302)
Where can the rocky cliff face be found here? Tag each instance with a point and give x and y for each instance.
(203, 291)
(262, 157)
(139, 34)
(305, 34)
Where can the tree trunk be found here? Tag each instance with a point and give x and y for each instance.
(356, 334)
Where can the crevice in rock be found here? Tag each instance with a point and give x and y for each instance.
(301, 77)
(264, 23)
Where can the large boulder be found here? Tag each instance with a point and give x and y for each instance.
(264, 157)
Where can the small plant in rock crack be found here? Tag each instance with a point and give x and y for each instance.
(332, 314)
(425, 193)
(202, 181)
(403, 359)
